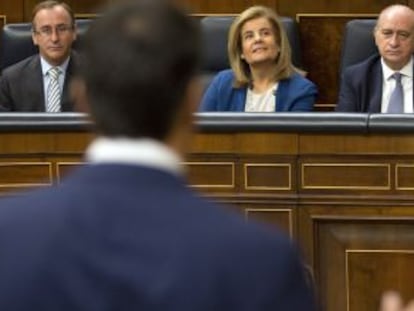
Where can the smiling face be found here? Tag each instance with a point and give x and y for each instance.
(394, 36)
(259, 42)
(54, 34)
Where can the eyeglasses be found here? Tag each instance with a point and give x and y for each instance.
(47, 31)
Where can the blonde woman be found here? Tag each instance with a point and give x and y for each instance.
(262, 77)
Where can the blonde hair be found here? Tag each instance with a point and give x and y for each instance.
(241, 69)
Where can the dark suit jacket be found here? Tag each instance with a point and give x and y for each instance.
(21, 86)
(361, 87)
(121, 237)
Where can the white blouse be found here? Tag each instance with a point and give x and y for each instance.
(261, 102)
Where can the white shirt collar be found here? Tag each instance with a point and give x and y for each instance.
(46, 66)
(145, 151)
(407, 70)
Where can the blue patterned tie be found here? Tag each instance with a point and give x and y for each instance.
(396, 104)
(53, 91)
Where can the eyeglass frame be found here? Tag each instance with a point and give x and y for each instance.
(47, 31)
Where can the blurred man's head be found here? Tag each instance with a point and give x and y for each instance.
(54, 30)
(394, 35)
(138, 70)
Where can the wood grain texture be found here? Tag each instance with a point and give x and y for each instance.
(12, 10)
(224, 6)
(287, 7)
(295, 182)
(371, 272)
(279, 218)
(357, 259)
(3, 20)
(78, 6)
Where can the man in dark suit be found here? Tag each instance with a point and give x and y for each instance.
(125, 232)
(369, 86)
(26, 86)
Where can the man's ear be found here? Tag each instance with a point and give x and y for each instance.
(34, 38)
(79, 95)
(75, 32)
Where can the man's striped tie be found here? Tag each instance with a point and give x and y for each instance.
(53, 91)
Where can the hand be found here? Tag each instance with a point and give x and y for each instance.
(392, 301)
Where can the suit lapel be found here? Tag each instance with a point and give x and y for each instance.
(375, 91)
(413, 84)
(239, 101)
(281, 94)
(66, 102)
(34, 86)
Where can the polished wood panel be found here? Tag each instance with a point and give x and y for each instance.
(211, 174)
(340, 175)
(287, 7)
(224, 6)
(41, 143)
(279, 218)
(351, 144)
(346, 198)
(12, 10)
(268, 176)
(271, 143)
(3, 20)
(404, 176)
(79, 7)
(367, 271)
(24, 174)
(362, 256)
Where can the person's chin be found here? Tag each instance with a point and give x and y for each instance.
(395, 63)
(57, 53)
(56, 59)
(393, 54)
(261, 60)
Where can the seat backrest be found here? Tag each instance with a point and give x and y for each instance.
(358, 42)
(292, 32)
(215, 30)
(16, 44)
(16, 41)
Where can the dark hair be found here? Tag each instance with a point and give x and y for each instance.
(49, 4)
(137, 63)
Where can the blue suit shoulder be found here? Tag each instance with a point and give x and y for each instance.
(219, 94)
(296, 93)
(223, 79)
(225, 74)
(299, 82)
